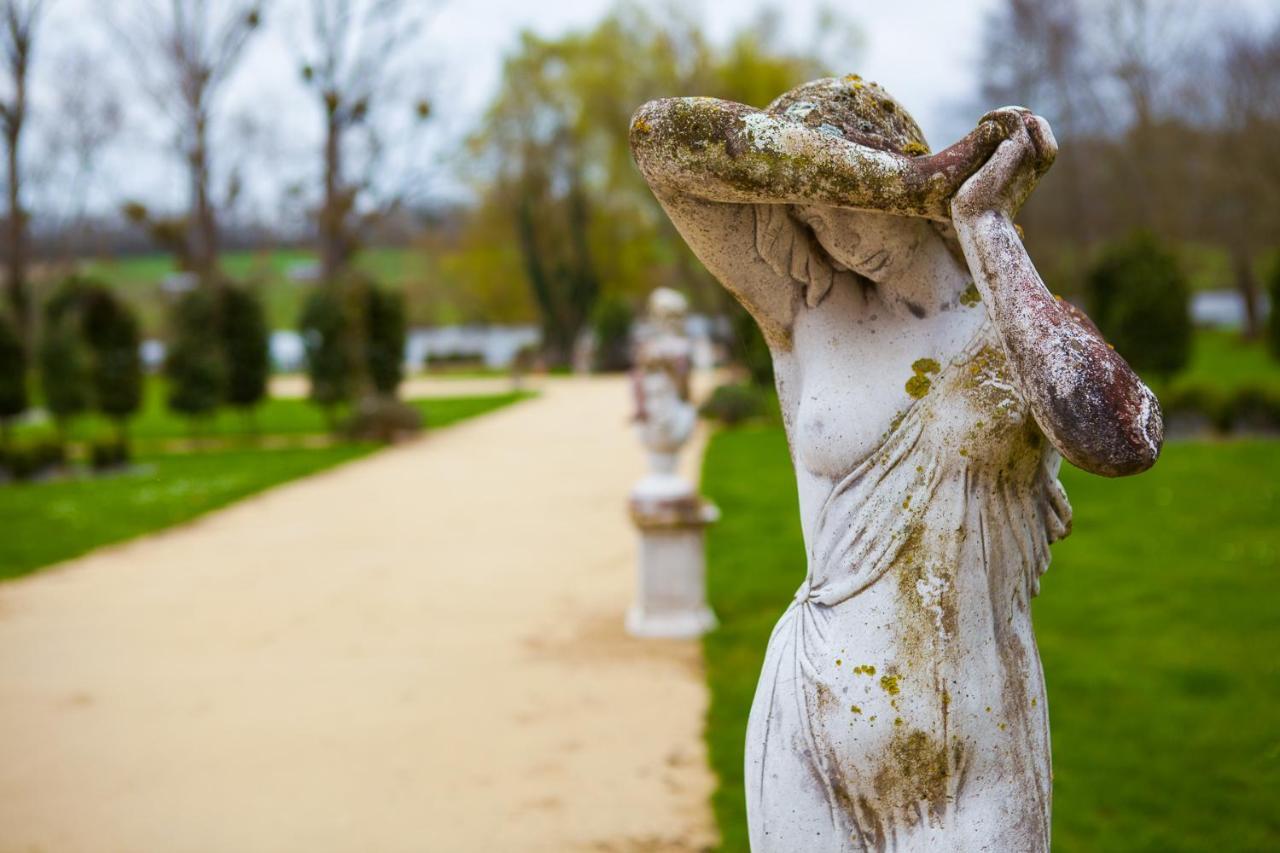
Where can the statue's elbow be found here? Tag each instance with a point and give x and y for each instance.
(646, 124)
(1111, 440)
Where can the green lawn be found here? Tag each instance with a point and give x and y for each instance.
(1157, 625)
(44, 523)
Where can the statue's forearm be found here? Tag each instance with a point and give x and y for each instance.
(1085, 397)
(726, 152)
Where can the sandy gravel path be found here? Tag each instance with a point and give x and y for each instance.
(420, 651)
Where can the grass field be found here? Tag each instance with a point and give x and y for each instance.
(1157, 627)
(48, 522)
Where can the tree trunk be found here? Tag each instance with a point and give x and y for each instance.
(204, 224)
(332, 214)
(1247, 286)
(19, 298)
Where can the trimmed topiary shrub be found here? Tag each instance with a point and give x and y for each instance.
(64, 358)
(194, 365)
(115, 371)
(13, 376)
(735, 404)
(109, 455)
(1255, 409)
(34, 460)
(246, 346)
(324, 331)
(1140, 300)
(385, 337)
(750, 348)
(611, 320)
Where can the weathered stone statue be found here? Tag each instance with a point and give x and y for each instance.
(929, 382)
(671, 598)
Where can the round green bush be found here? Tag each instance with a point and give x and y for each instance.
(13, 372)
(195, 365)
(734, 404)
(245, 345)
(611, 320)
(385, 337)
(1141, 302)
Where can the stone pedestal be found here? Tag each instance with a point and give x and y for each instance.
(671, 588)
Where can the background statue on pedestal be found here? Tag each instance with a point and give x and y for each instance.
(671, 515)
(929, 383)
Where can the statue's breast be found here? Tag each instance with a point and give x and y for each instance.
(854, 371)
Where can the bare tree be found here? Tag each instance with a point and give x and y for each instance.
(185, 51)
(352, 63)
(1244, 180)
(21, 18)
(85, 115)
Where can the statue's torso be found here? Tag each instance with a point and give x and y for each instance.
(844, 381)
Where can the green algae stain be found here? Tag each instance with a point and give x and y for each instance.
(970, 297)
(890, 684)
(926, 365)
(917, 386)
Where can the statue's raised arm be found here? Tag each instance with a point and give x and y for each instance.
(731, 177)
(727, 152)
(1084, 395)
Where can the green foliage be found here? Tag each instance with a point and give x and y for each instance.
(324, 331)
(750, 348)
(565, 187)
(735, 404)
(1140, 301)
(1158, 649)
(611, 320)
(109, 454)
(64, 360)
(385, 338)
(115, 372)
(195, 365)
(32, 459)
(245, 345)
(13, 372)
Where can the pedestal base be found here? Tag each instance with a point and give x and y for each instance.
(671, 589)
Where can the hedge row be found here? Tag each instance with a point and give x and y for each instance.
(1194, 408)
(35, 460)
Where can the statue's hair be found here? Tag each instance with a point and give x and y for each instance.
(858, 111)
(864, 113)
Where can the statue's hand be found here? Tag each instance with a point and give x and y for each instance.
(1005, 181)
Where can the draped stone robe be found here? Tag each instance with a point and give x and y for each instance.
(901, 705)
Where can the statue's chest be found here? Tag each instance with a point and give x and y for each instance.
(851, 375)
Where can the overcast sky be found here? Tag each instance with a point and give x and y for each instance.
(922, 51)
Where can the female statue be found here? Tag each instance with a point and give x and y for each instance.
(929, 382)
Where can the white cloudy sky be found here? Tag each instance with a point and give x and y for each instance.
(923, 51)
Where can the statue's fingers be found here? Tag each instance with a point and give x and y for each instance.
(1008, 118)
(1042, 138)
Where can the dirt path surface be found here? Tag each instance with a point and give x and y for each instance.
(420, 651)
